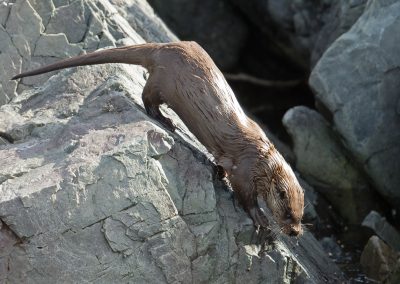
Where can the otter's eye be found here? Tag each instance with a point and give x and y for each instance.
(282, 194)
(289, 216)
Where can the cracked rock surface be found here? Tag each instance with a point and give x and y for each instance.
(145, 22)
(93, 190)
(34, 33)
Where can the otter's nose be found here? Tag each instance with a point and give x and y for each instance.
(294, 231)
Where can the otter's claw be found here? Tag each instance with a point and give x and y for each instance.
(168, 123)
(155, 113)
(221, 173)
(258, 217)
(263, 233)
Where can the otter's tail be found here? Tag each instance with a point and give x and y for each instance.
(135, 54)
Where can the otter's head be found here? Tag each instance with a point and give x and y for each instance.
(277, 184)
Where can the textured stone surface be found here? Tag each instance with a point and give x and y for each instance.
(215, 25)
(356, 82)
(324, 163)
(378, 260)
(34, 33)
(383, 229)
(69, 20)
(56, 45)
(145, 22)
(311, 199)
(302, 29)
(394, 276)
(93, 190)
(338, 19)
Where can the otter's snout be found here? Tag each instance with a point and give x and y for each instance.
(293, 230)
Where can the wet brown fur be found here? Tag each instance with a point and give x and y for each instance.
(183, 76)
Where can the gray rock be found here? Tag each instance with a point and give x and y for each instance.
(311, 200)
(56, 45)
(20, 29)
(144, 21)
(59, 3)
(324, 164)
(356, 82)
(383, 229)
(92, 189)
(40, 32)
(24, 23)
(378, 260)
(5, 8)
(394, 276)
(331, 247)
(303, 30)
(338, 19)
(45, 9)
(8, 241)
(10, 61)
(69, 20)
(92, 182)
(213, 24)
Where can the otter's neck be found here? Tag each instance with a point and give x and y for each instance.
(247, 147)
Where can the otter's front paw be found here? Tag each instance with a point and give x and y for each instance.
(155, 113)
(259, 219)
(167, 123)
(221, 173)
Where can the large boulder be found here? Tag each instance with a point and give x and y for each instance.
(337, 19)
(302, 29)
(215, 25)
(379, 261)
(321, 159)
(140, 15)
(356, 84)
(383, 229)
(92, 189)
(36, 32)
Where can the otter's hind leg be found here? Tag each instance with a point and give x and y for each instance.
(152, 100)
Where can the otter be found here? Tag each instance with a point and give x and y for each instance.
(183, 76)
